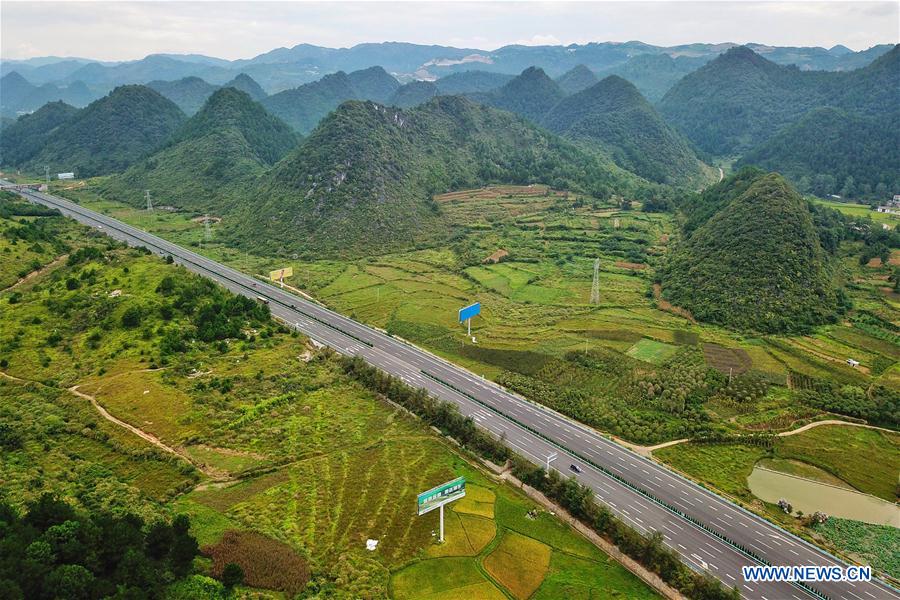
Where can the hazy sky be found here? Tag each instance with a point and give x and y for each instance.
(130, 30)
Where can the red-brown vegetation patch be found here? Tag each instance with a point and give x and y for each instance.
(630, 265)
(727, 360)
(874, 262)
(663, 304)
(496, 257)
(267, 563)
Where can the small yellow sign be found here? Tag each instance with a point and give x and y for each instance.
(280, 274)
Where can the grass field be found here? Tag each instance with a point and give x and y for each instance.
(652, 351)
(520, 550)
(878, 545)
(861, 210)
(519, 564)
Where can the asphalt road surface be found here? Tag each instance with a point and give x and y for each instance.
(705, 529)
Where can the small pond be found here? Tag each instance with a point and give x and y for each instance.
(811, 496)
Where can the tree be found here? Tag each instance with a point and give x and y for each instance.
(72, 582)
(131, 318)
(232, 575)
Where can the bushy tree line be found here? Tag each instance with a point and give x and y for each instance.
(443, 415)
(51, 551)
(649, 551)
(878, 404)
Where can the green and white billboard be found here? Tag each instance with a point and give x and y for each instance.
(442, 494)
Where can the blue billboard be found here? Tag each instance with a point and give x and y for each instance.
(469, 311)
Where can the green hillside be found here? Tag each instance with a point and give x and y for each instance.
(466, 82)
(740, 99)
(413, 93)
(188, 93)
(756, 264)
(215, 154)
(613, 115)
(373, 84)
(531, 95)
(303, 107)
(362, 183)
(111, 133)
(25, 137)
(830, 151)
(576, 79)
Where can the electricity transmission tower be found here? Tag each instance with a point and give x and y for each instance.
(47, 173)
(595, 286)
(207, 234)
(149, 203)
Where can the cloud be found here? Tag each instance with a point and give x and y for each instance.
(540, 40)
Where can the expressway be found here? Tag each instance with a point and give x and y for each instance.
(708, 532)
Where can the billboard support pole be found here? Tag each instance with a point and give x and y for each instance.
(469, 321)
(441, 539)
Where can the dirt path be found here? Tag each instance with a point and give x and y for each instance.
(149, 437)
(51, 265)
(648, 450)
(831, 422)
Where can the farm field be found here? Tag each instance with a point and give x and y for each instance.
(860, 210)
(536, 311)
(252, 431)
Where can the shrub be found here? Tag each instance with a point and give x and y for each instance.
(263, 562)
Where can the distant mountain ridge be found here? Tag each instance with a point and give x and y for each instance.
(303, 107)
(18, 95)
(190, 93)
(741, 99)
(285, 68)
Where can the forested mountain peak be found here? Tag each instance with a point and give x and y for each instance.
(756, 263)
(576, 79)
(530, 94)
(614, 116)
(362, 182)
(740, 99)
(26, 136)
(230, 108)
(189, 93)
(303, 107)
(247, 84)
(373, 83)
(111, 133)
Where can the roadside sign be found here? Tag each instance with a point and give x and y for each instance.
(441, 495)
(280, 274)
(469, 311)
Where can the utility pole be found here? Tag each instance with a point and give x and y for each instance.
(149, 203)
(595, 286)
